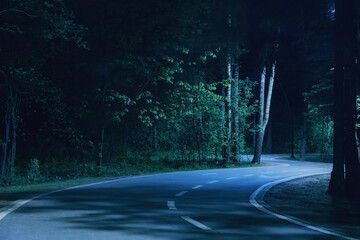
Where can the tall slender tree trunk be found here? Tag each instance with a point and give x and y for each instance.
(292, 156)
(236, 112)
(223, 118)
(155, 139)
(269, 136)
(5, 146)
(14, 118)
(229, 114)
(304, 133)
(260, 133)
(103, 121)
(264, 111)
(229, 95)
(101, 147)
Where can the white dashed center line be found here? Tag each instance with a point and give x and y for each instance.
(248, 175)
(196, 223)
(263, 176)
(171, 205)
(229, 178)
(209, 174)
(215, 181)
(198, 186)
(181, 193)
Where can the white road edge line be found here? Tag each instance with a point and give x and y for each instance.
(195, 223)
(19, 203)
(171, 205)
(211, 182)
(209, 174)
(198, 186)
(248, 175)
(256, 199)
(181, 193)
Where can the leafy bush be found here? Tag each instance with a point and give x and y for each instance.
(34, 174)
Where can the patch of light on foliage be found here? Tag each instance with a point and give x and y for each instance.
(331, 11)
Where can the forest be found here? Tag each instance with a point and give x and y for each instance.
(93, 88)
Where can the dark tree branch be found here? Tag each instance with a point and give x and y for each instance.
(18, 11)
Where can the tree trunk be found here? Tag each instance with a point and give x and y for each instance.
(236, 112)
(223, 133)
(14, 116)
(304, 134)
(264, 111)
(5, 146)
(337, 183)
(352, 166)
(260, 133)
(229, 117)
(101, 147)
(292, 156)
(269, 136)
(155, 139)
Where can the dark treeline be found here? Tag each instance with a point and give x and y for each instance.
(89, 85)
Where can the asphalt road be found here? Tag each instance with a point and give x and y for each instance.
(210, 204)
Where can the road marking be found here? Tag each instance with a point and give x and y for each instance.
(198, 186)
(215, 181)
(195, 223)
(229, 178)
(209, 174)
(13, 207)
(181, 193)
(263, 176)
(248, 175)
(256, 199)
(171, 205)
(19, 203)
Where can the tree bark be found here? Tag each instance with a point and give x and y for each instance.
(229, 114)
(5, 146)
(264, 111)
(269, 136)
(223, 133)
(236, 112)
(304, 134)
(101, 147)
(260, 133)
(345, 150)
(155, 139)
(352, 166)
(14, 118)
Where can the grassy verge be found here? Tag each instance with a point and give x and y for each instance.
(307, 199)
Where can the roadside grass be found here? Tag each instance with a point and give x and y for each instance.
(307, 199)
(9, 194)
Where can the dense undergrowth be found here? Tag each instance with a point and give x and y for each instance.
(125, 165)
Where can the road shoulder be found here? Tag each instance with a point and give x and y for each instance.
(306, 199)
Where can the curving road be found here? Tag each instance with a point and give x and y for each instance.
(210, 204)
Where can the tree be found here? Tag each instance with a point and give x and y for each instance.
(264, 110)
(345, 149)
(46, 23)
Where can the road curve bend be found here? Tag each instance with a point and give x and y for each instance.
(208, 204)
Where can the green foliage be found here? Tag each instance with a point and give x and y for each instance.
(320, 130)
(34, 174)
